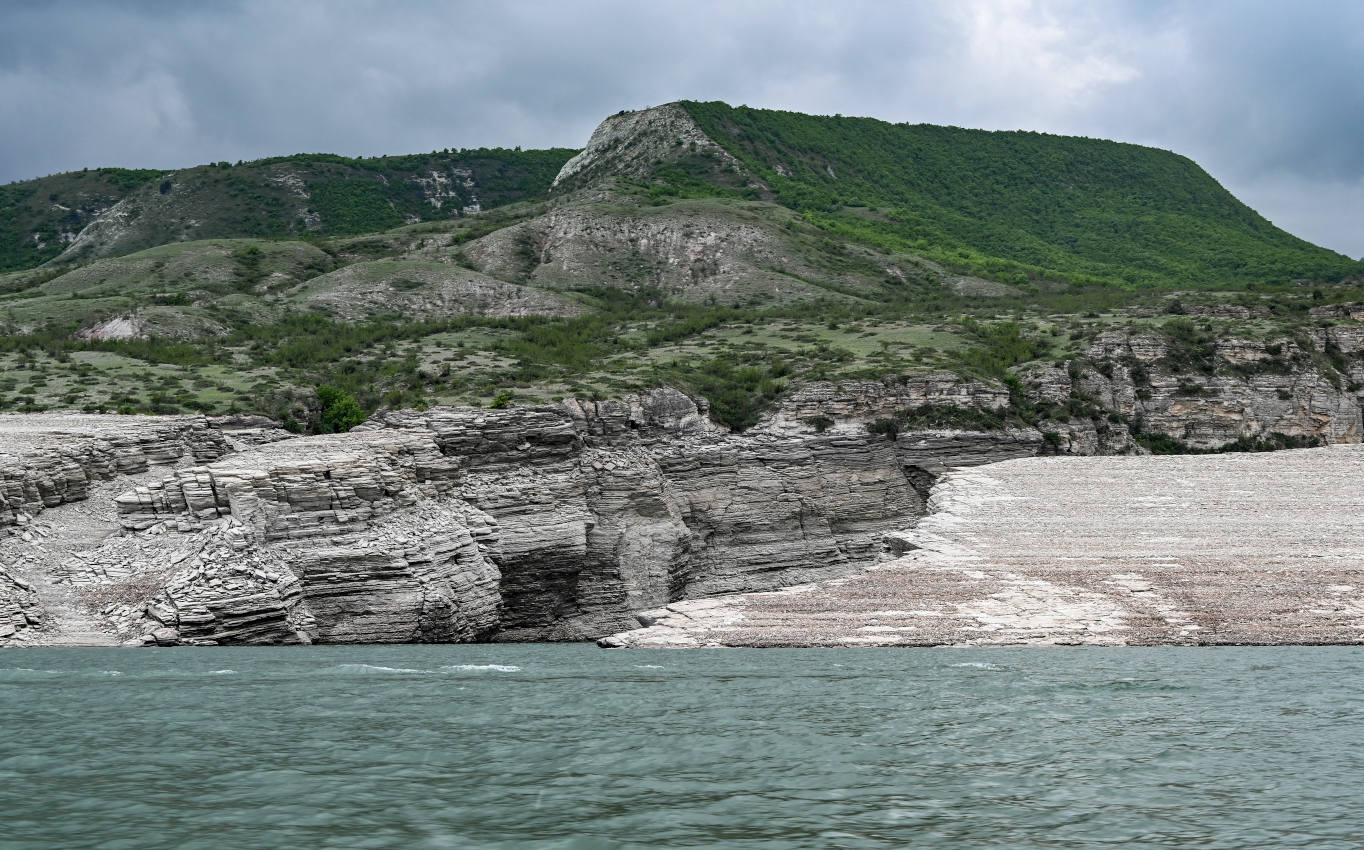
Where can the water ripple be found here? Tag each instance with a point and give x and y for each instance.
(442, 746)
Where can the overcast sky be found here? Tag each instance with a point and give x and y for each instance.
(1268, 97)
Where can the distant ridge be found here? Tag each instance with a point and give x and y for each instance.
(106, 212)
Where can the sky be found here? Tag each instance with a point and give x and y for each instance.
(1267, 96)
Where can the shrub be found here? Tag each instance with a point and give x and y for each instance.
(339, 411)
(885, 427)
(819, 423)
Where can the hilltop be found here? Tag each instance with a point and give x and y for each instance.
(1016, 206)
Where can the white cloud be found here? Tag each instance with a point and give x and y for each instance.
(1045, 58)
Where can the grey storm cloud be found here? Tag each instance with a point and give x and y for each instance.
(1267, 96)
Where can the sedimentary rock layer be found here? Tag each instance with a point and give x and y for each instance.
(1224, 549)
(521, 524)
(49, 459)
(581, 514)
(561, 523)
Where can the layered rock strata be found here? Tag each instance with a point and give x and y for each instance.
(561, 523)
(1224, 549)
(522, 524)
(581, 515)
(1308, 389)
(58, 473)
(50, 459)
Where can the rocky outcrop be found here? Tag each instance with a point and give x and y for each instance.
(850, 405)
(1249, 389)
(337, 539)
(19, 606)
(424, 290)
(1192, 550)
(557, 523)
(59, 473)
(1125, 390)
(526, 523)
(633, 143)
(561, 523)
(692, 251)
(50, 459)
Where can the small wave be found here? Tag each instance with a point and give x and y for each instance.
(649, 666)
(111, 672)
(380, 668)
(977, 665)
(221, 672)
(501, 668)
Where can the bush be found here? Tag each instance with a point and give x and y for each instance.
(885, 427)
(340, 411)
(819, 423)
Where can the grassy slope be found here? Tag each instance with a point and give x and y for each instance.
(872, 305)
(265, 198)
(1016, 204)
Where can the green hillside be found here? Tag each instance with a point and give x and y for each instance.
(1015, 205)
(290, 196)
(308, 287)
(38, 218)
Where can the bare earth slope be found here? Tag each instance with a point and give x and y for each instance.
(1226, 549)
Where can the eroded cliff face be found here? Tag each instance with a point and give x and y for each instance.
(561, 523)
(52, 459)
(58, 474)
(460, 524)
(529, 524)
(1308, 389)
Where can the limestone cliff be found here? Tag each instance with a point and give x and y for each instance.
(559, 523)
(556, 522)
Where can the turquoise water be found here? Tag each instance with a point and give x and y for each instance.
(573, 747)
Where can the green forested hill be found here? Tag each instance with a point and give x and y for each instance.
(300, 195)
(39, 217)
(1016, 205)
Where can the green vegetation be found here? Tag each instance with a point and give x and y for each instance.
(1016, 206)
(38, 218)
(877, 251)
(1160, 444)
(339, 411)
(292, 196)
(354, 206)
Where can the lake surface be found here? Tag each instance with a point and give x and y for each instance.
(568, 746)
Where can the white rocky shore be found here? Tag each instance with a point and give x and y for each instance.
(1217, 549)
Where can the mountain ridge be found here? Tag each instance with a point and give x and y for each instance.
(297, 196)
